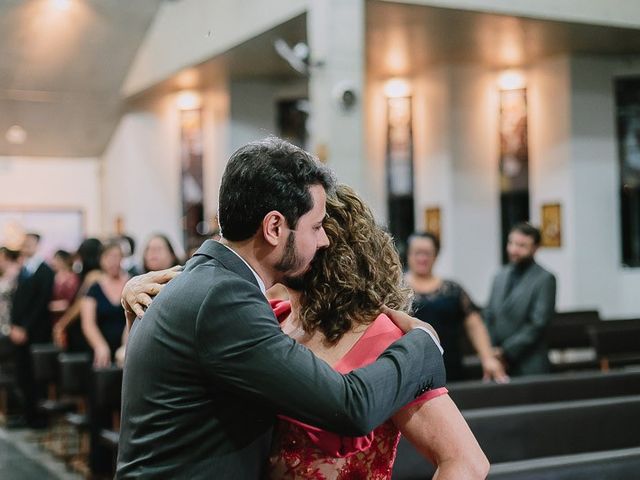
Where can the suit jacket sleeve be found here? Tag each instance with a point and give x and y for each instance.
(488, 315)
(542, 309)
(250, 355)
(39, 302)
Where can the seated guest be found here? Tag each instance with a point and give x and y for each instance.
(159, 254)
(65, 285)
(447, 306)
(102, 315)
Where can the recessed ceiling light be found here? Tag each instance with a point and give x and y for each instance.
(61, 4)
(16, 135)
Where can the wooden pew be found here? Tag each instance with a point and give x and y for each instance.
(105, 413)
(509, 434)
(571, 329)
(546, 388)
(617, 342)
(623, 464)
(569, 342)
(566, 333)
(513, 434)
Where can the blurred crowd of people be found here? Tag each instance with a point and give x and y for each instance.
(71, 299)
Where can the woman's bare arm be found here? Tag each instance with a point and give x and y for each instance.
(439, 432)
(101, 351)
(492, 368)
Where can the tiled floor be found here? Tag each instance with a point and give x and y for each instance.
(22, 459)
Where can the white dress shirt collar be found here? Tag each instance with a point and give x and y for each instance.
(258, 279)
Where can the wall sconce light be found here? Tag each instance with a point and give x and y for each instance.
(511, 80)
(399, 161)
(397, 88)
(189, 100)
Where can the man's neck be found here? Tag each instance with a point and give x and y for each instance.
(251, 254)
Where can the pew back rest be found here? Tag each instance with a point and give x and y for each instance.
(608, 465)
(107, 383)
(44, 357)
(570, 329)
(75, 373)
(564, 428)
(545, 389)
(615, 337)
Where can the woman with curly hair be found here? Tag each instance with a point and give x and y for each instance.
(338, 317)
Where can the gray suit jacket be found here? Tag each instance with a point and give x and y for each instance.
(518, 322)
(208, 367)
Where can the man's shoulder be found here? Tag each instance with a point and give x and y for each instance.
(543, 272)
(503, 271)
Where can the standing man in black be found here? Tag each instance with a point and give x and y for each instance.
(208, 367)
(30, 321)
(522, 301)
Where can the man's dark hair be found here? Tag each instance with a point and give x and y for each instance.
(429, 235)
(34, 235)
(12, 255)
(267, 175)
(529, 230)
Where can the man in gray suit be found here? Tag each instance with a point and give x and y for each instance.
(521, 304)
(208, 367)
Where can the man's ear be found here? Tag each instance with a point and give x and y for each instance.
(273, 227)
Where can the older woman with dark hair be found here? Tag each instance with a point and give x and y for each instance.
(159, 254)
(448, 307)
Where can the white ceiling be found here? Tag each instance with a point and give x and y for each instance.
(405, 39)
(61, 71)
(255, 58)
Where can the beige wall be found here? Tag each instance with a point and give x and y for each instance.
(573, 161)
(43, 182)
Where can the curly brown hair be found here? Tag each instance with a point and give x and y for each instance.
(360, 271)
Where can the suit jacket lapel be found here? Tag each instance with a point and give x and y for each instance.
(227, 258)
(519, 289)
(503, 285)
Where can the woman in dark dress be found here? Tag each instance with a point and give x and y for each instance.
(102, 315)
(449, 309)
(67, 331)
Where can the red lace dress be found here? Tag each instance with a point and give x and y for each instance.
(300, 451)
